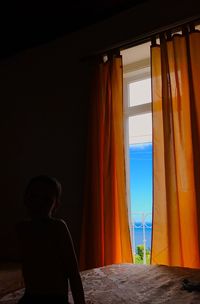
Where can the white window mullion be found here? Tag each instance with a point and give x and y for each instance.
(138, 110)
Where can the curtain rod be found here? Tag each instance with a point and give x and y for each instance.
(174, 27)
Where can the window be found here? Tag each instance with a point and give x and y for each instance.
(138, 147)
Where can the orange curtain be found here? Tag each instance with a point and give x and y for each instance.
(105, 231)
(176, 142)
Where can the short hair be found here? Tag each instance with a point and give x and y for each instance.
(51, 188)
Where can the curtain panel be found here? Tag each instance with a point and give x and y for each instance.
(175, 66)
(105, 230)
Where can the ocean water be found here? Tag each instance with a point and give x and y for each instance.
(137, 236)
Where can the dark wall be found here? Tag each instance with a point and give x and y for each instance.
(42, 130)
(44, 94)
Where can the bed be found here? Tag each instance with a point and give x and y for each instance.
(128, 283)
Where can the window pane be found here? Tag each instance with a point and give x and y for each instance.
(140, 92)
(140, 129)
(140, 156)
(140, 165)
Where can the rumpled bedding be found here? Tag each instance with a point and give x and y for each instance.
(128, 283)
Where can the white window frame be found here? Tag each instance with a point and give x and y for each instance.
(130, 111)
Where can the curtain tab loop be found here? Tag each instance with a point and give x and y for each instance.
(153, 41)
(113, 53)
(162, 37)
(168, 35)
(192, 28)
(185, 30)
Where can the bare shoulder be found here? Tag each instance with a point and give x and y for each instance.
(60, 223)
(61, 226)
(63, 233)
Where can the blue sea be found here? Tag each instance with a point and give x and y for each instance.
(138, 235)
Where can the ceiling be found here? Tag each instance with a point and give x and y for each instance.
(28, 24)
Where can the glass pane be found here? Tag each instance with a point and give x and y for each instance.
(140, 129)
(140, 156)
(140, 92)
(140, 165)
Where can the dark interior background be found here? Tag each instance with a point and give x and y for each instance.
(45, 91)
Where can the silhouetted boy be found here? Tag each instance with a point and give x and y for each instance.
(47, 253)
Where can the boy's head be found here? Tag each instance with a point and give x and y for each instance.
(42, 196)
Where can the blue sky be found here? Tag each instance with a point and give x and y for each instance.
(141, 179)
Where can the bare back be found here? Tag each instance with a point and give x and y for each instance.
(46, 252)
